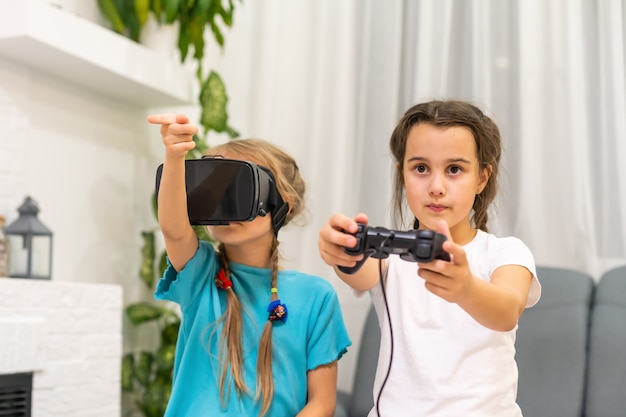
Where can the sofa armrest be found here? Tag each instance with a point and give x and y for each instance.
(343, 402)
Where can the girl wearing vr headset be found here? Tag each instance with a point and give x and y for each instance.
(453, 323)
(242, 349)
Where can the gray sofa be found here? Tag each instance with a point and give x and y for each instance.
(571, 350)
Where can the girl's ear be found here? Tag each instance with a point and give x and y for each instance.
(485, 174)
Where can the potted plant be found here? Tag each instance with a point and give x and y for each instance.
(147, 374)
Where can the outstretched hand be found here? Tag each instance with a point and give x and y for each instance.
(177, 133)
(337, 235)
(452, 280)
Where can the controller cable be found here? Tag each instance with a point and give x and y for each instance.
(383, 278)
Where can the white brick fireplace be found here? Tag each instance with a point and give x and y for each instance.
(69, 335)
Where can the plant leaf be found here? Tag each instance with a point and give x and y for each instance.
(134, 27)
(171, 10)
(203, 234)
(169, 334)
(112, 14)
(183, 40)
(213, 100)
(142, 8)
(201, 146)
(156, 6)
(146, 271)
(227, 15)
(155, 209)
(126, 8)
(217, 34)
(143, 312)
(143, 368)
(204, 8)
(154, 399)
(163, 263)
(128, 364)
(196, 36)
(232, 133)
(165, 359)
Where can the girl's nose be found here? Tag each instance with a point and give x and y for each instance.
(436, 186)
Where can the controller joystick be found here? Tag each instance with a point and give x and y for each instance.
(410, 245)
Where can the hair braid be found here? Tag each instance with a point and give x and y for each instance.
(229, 353)
(265, 380)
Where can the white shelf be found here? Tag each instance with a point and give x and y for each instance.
(51, 40)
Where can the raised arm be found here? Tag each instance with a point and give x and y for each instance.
(180, 239)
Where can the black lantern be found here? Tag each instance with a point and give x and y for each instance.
(30, 241)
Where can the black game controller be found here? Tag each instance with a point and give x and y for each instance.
(410, 245)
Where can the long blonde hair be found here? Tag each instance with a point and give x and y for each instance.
(292, 188)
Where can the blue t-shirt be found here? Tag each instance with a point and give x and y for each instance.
(313, 334)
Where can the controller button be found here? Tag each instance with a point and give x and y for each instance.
(423, 251)
(408, 256)
(426, 234)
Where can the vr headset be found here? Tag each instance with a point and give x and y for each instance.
(220, 191)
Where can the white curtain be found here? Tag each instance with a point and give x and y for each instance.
(327, 80)
(552, 75)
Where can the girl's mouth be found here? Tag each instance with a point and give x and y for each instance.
(437, 208)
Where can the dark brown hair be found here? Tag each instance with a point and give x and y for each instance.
(446, 114)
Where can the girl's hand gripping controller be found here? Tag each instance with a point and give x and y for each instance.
(410, 245)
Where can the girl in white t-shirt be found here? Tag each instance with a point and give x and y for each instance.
(448, 328)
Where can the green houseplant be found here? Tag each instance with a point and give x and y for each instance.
(194, 19)
(147, 374)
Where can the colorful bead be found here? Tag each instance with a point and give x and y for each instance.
(221, 280)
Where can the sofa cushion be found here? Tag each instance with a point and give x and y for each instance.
(606, 387)
(362, 399)
(551, 345)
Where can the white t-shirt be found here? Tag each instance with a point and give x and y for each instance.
(444, 363)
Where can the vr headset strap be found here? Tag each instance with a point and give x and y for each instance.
(276, 205)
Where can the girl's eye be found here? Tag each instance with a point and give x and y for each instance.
(420, 169)
(455, 169)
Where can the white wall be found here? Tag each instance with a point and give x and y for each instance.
(89, 161)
